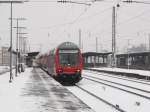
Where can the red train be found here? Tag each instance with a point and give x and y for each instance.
(64, 63)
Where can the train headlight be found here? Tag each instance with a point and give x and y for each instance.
(60, 70)
(78, 70)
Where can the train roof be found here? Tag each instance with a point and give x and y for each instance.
(68, 45)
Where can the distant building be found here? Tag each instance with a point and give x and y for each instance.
(94, 59)
(30, 58)
(5, 57)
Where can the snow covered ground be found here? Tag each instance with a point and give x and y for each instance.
(10, 92)
(11, 97)
(140, 72)
(121, 82)
(4, 68)
(35, 91)
(126, 101)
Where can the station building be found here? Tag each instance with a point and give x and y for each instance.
(94, 59)
(136, 60)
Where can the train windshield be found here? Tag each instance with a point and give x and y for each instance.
(68, 57)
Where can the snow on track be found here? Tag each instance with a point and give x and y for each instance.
(126, 81)
(140, 72)
(126, 101)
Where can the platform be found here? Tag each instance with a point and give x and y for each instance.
(35, 91)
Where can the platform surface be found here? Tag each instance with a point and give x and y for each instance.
(35, 91)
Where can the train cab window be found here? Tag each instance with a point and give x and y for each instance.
(68, 57)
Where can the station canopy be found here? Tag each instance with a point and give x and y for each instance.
(33, 54)
(94, 54)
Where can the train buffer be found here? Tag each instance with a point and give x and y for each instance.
(35, 91)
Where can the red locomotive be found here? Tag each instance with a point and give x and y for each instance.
(64, 63)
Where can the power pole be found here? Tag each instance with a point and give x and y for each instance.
(17, 50)
(17, 39)
(149, 42)
(82, 46)
(29, 48)
(80, 38)
(149, 50)
(21, 57)
(96, 44)
(128, 53)
(114, 36)
(23, 43)
(11, 75)
(22, 47)
(11, 2)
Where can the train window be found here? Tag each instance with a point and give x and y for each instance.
(68, 51)
(68, 57)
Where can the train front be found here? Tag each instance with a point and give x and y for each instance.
(68, 63)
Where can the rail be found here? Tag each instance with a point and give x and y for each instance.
(106, 102)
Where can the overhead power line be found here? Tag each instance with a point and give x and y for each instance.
(132, 1)
(42, 0)
(63, 1)
(82, 2)
(79, 19)
(75, 2)
(133, 18)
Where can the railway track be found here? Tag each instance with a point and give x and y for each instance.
(101, 99)
(103, 95)
(114, 106)
(130, 75)
(142, 90)
(110, 94)
(141, 81)
(125, 90)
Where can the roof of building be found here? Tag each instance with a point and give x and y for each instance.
(134, 54)
(95, 54)
(33, 54)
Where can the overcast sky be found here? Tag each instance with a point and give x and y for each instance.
(51, 23)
